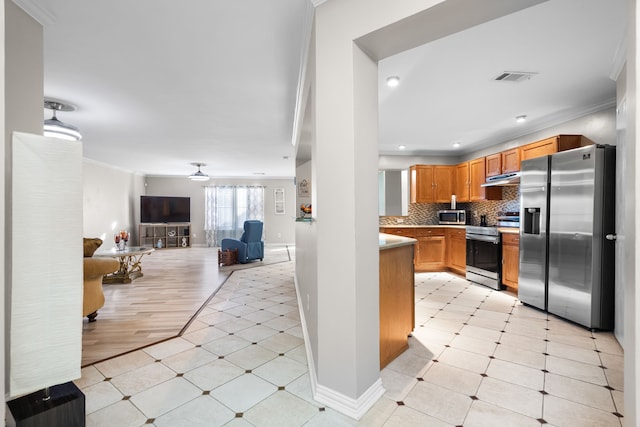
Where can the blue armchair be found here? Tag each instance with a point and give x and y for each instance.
(250, 246)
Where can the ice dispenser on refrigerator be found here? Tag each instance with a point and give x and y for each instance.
(531, 221)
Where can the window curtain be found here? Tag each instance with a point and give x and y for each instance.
(227, 208)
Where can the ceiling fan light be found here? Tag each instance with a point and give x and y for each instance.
(57, 129)
(199, 175)
(521, 119)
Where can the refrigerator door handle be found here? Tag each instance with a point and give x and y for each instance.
(611, 236)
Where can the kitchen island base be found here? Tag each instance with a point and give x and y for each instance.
(397, 299)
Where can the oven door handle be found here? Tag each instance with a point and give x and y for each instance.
(490, 239)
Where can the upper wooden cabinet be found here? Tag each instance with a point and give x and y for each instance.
(462, 182)
(510, 160)
(553, 145)
(504, 162)
(540, 148)
(443, 178)
(421, 188)
(493, 164)
(432, 184)
(477, 177)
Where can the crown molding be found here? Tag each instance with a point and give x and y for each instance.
(37, 11)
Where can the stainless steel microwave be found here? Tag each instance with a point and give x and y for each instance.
(452, 217)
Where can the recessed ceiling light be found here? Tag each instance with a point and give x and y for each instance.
(521, 119)
(393, 81)
(456, 145)
(401, 147)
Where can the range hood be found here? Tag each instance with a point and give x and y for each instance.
(505, 179)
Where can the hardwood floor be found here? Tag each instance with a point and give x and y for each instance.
(157, 306)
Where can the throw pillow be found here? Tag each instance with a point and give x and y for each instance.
(91, 245)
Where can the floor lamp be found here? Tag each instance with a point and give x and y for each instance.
(45, 282)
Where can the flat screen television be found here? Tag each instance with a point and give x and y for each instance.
(165, 209)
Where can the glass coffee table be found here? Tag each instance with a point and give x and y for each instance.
(130, 259)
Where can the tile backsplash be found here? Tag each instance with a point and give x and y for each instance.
(427, 213)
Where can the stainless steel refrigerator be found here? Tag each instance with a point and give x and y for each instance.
(567, 209)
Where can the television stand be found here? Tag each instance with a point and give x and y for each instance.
(165, 235)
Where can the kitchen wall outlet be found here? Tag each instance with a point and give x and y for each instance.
(400, 220)
(279, 235)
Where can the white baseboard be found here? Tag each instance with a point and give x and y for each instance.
(354, 408)
(307, 342)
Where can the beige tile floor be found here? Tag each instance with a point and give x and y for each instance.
(477, 358)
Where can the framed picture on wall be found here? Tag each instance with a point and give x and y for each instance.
(278, 197)
(304, 188)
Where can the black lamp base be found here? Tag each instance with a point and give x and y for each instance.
(65, 408)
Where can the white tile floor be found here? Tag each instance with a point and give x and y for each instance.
(477, 358)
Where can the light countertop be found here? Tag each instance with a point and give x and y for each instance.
(388, 241)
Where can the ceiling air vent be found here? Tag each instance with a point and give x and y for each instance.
(514, 76)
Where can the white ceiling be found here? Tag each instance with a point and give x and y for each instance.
(159, 86)
(448, 92)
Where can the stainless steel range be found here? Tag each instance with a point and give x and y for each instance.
(484, 255)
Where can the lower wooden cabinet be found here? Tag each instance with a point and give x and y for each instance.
(431, 249)
(457, 250)
(437, 249)
(510, 260)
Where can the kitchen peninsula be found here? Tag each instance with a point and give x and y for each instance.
(438, 247)
(397, 295)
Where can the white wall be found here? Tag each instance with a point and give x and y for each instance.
(22, 111)
(395, 162)
(631, 244)
(278, 229)
(600, 127)
(2, 211)
(110, 201)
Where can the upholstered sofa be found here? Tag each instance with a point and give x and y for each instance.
(94, 269)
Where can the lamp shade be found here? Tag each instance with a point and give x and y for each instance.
(45, 335)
